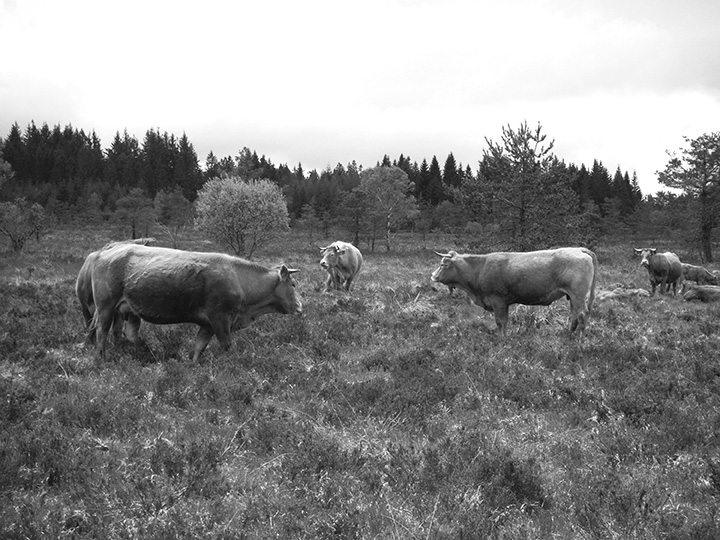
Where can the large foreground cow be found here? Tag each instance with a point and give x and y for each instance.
(698, 274)
(83, 288)
(343, 262)
(664, 269)
(217, 292)
(495, 281)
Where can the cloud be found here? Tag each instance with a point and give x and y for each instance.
(324, 82)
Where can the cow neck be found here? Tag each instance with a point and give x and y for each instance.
(256, 288)
(474, 265)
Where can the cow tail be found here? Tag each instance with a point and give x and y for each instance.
(594, 279)
(92, 328)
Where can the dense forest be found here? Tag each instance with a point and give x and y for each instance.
(520, 194)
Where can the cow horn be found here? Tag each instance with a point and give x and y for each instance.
(443, 254)
(285, 271)
(324, 248)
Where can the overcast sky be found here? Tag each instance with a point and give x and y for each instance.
(325, 82)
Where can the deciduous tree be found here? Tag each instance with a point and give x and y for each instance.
(136, 211)
(241, 214)
(390, 194)
(20, 221)
(173, 213)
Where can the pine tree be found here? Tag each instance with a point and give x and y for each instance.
(187, 174)
(157, 161)
(15, 153)
(122, 164)
(524, 189)
(600, 183)
(434, 192)
(452, 174)
(696, 171)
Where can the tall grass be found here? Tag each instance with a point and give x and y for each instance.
(390, 412)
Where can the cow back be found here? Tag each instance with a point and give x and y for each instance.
(167, 286)
(674, 266)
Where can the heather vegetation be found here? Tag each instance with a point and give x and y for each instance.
(389, 412)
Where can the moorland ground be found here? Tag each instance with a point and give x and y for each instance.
(390, 412)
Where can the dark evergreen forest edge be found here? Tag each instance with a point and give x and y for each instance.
(520, 196)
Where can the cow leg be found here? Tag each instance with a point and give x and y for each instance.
(131, 328)
(337, 280)
(334, 280)
(91, 328)
(202, 339)
(501, 317)
(223, 331)
(117, 325)
(578, 316)
(330, 281)
(103, 321)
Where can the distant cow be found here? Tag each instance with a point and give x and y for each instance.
(343, 262)
(664, 269)
(495, 281)
(218, 292)
(83, 288)
(704, 293)
(698, 274)
(619, 293)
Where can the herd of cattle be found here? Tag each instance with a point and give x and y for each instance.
(127, 282)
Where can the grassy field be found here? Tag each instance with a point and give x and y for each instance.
(389, 413)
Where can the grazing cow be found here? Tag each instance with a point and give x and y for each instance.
(704, 293)
(495, 281)
(218, 292)
(664, 269)
(83, 289)
(343, 262)
(698, 274)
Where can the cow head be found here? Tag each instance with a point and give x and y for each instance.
(285, 294)
(646, 254)
(331, 256)
(446, 272)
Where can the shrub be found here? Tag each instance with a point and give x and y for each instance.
(241, 215)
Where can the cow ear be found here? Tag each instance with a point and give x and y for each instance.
(653, 251)
(637, 251)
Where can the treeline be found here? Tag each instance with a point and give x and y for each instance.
(520, 195)
(63, 167)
